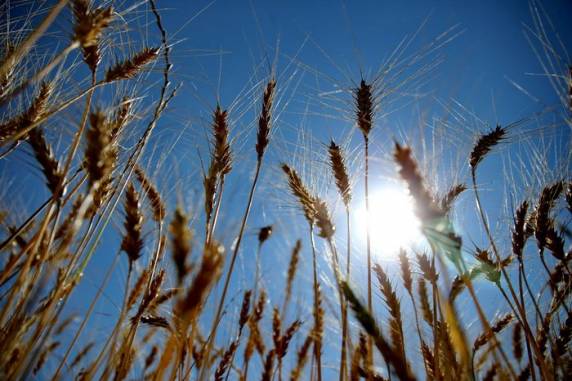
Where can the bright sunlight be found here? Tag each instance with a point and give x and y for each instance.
(393, 223)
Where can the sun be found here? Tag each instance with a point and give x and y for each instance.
(393, 223)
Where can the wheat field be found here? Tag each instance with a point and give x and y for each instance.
(291, 207)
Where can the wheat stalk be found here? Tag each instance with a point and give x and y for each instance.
(132, 66)
(264, 127)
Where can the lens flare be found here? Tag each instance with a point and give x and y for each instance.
(392, 220)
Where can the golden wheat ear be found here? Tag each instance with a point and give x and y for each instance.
(131, 67)
(301, 192)
(451, 196)
(100, 157)
(392, 356)
(225, 361)
(45, 156)
(89, 25)
(210, 180)
(363, 99)
(425, 206)
(301, 358)
(265, 119)
(326, 227)
(546, 202)
(153, 195)
(181, 240)
(132, 243)
(83, 353)
(406, 274)
(499, 325)
(150, 359)
(340, 171)
(292, 268)
(189, 306)
(255, 340)
(6, 78)
(244, 311)
(484, 145)
(34, 113)
(394, 307)
(429, 362)
(97, 150)
(44, 355)
(137, 289)
(222, 155)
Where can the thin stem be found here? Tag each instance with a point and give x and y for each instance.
(231, 363)
(246, 370)
(541, 254)
(212, 227)
(88, 313)
(343, 355)
(257, 272)
(208, 345)
(521, 293)
(368, 245)
(135, 322)
(487, 326)
(552, 285)
(418, 326)
(526, 326)
(368, 237)
(349, 246)
(343, 304)
(317, 344)
(522, 277)
(436, 342)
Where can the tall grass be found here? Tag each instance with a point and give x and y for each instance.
(178, 315)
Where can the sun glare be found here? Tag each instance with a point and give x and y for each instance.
(393, 223)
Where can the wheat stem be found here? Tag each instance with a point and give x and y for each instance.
(87, 315)
(317, 342)
(537, 309)
(216, 320)
(368, 246)
(345, 329)
(520, 314)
